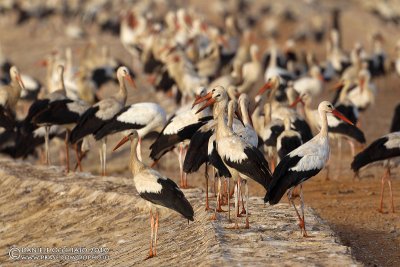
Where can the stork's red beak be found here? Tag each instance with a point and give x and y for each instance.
(265, 87)
(21, 83)
(42, 63)
(123, 141)
(299, 99)
(210, 102)
(362, 83)
(200, 99)
(321, 78)
(131, 81)
(341, 116)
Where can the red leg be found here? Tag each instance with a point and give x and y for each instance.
(390, 190)
(67, 151)
(382, 190)
(151, 235)
(206, 176)
(155, 235)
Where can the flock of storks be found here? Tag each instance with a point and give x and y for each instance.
(211, 73)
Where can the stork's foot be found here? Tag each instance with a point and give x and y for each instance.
(302, 226)
(151, 255)
(380, 210)
(247, 225)
(243, 211)
(219, 209)
(213, 217)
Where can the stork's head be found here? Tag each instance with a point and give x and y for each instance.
(272, 83)
(327, 107)
(305, 99)
(15, 76)
(133, 136)
(217, 94)
(123, 73)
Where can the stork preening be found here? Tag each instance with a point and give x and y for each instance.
(157, 189)
(302, 163)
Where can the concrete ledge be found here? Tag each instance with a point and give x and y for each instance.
(43, 207)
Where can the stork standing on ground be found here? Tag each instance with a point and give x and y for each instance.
(144, 117)
(101, 113)
(386, 150)
(302, 163)
(179, 128)
(55, 109)
(241, 158)
(157, 189)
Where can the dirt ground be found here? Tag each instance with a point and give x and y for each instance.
(348, 205)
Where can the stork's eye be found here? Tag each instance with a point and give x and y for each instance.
(218, 95)
(213, 90)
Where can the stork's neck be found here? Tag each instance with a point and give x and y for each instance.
(61, 84)
(135, 164)
(324, 123)
(122, 94)
(16, 87)
(222, 127)
(245, 114)
(273, 62)
(343, 93)
(230, 116)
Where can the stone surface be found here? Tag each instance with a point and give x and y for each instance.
(43, 207)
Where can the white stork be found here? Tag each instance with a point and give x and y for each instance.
(363, 95)
(157, 189)
(101, 113)
(312, 84)
(386, 150)
(241, 158)
(302, 163)
(144, 117)
(55, 109)
(180, 127)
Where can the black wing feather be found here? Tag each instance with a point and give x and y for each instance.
(170, 197)
(197, 151)
(376, 151)
(87, 124)
(283, 178)
(395, 127)
(288, 144)
(115, 126)
(56, 112)
(254, 166)
(348, 130)
(165, 143)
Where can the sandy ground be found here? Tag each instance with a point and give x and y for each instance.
(348, 205)
(82, 210)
